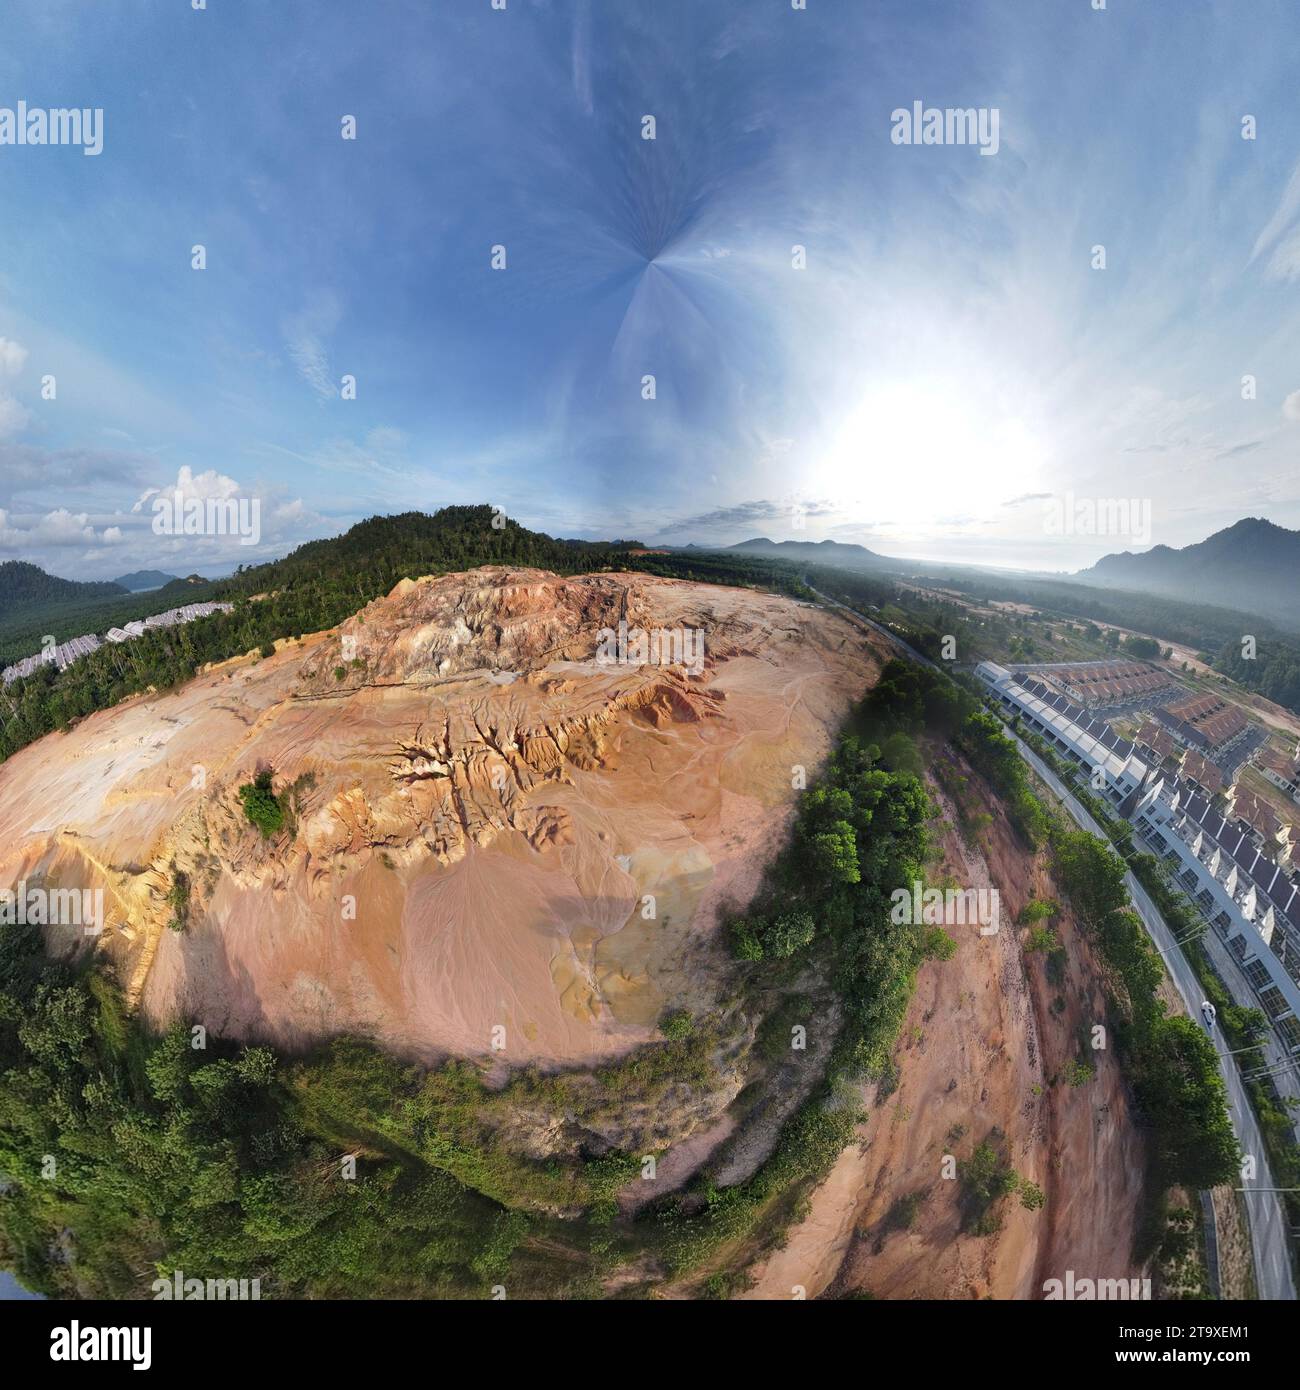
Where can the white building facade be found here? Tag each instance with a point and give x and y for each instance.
(1249, 900)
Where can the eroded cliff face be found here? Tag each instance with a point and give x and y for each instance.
(497, 846)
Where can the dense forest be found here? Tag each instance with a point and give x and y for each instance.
(1273, 671)
(23, 585)
(24, 627)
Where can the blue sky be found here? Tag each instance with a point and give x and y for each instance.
(947, 364)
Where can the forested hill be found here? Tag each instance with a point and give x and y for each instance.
(372, 556)
(1250, 565)
(316, 587)
(24, 585)
(139, 581)
(818, 553)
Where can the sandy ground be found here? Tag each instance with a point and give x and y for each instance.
(484, 814)
(979, 1052)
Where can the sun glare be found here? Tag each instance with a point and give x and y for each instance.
(916, 455)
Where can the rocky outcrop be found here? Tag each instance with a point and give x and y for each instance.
(503, 816)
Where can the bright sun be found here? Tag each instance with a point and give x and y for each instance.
(916, 455)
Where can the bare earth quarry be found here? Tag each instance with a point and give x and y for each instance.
(482, 816)
(482, 810)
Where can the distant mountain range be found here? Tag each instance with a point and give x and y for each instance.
(1253, 565)
(856, 557)
(138, 581)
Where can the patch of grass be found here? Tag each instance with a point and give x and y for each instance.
(677, 1025)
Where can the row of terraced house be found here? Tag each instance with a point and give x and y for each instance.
(1250, 899)
(1283, 772)
(64, 654)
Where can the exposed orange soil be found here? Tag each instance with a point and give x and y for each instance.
(979, 1049)
(484, 811)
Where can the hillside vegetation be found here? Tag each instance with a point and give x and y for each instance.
(348, 1173)
(131, 1154)
(23, 585)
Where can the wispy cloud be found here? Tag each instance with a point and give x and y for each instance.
(304, 338)
(1284, 263)
(751, 514)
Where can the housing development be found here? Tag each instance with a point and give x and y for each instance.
(726, 725)
(64, 654)
(1233, 866)
(1101, 684)
(1283, 772)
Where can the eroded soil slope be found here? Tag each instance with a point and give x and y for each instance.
(988, 1050)
(480, 814)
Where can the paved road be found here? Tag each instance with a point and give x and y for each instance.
(1263, 1208)
(1268, 1227)
(1273, 1055)
(853, 613)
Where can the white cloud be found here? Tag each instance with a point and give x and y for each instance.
(209, 483)
(203, 485)
(12, 356)
(13, 416)
(1291, 406)
(309, 356)
(62, 527)
(55, 529)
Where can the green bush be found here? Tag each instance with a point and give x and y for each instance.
(788, 934)
(261, 805)
(986, 1177)
(1041, 939)
(178, 899)
(1031, 1195)
(677, 1025)
(745, 944)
